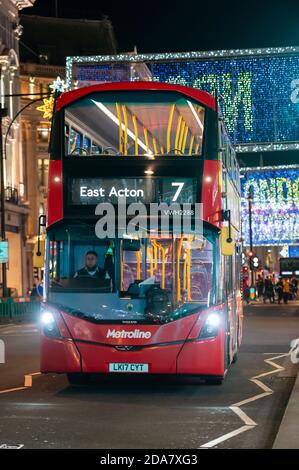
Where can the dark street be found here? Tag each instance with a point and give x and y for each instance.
(152, 412)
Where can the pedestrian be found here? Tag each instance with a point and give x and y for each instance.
(294, 288)
(260, 287)
(279, 290)
(269, 290)
(285, 290)
(246, 291)
(33, 293)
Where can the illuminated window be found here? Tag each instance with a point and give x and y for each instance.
(43, 132)
(75, 141)
(31, 86)
(43, 168)
(87, 143)
(143, 123)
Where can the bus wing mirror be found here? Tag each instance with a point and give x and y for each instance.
(226, 241)
(39, 246)
(39, 254)
(131, 245)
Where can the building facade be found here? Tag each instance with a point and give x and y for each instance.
(42, 61)
(16, 206)
(35, 79)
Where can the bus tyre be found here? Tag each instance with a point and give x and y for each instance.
(214, 381)
(78, 379)
(235, 358)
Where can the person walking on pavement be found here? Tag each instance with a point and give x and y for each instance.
(285, 290)
(294, 288)
(279, 290)
(260, 287)
(34, 293)
(245, 290)
(269, 290)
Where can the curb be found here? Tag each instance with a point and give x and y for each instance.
(6, 320)
(288, 432)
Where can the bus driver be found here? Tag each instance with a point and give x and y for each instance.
(91, 268)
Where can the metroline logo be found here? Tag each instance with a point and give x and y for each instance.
(128, 334)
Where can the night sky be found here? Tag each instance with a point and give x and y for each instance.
(180, 25)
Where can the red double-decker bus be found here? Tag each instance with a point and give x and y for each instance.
(160, 303)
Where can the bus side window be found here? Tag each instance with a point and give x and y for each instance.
(228, 275)
(238, 263)
(67, 138)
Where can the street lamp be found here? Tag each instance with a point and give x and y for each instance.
(3, 113)
(250, 198)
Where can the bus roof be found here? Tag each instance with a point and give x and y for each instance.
(201, 96)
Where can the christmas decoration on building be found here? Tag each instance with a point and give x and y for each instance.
(58, 85)
(258, 89)
(47, 108)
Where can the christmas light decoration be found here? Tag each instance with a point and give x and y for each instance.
(58, 85)
(258, 89)
(284, 252)
(47, 108)
(275, 205)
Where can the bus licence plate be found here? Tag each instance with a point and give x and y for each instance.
(127, 367)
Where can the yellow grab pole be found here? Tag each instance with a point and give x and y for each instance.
(155, 253)
(138, 259)
(163, 251)
(185, 139)
(185, 274)
(168, 137)
(191, 144)
(155, 145)
(120, 128)
(146, 139)
(182, 135)
(189, 270)
(150, 255)
(126, 129)
(196, 148)
(176, 142)
(136, 133)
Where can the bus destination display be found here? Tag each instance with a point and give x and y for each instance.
(92, 191)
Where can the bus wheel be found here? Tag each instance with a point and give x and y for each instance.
(214, 381)
(78, 379)
(235, 358)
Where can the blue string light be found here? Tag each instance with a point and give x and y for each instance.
(275, 206)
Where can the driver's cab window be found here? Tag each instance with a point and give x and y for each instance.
(75, 263)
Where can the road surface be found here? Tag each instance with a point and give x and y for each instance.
(151, 412)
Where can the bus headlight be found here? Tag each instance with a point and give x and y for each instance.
(49, 324)
(211, 326)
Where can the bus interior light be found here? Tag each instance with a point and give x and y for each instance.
(113, 118)
(195, 115)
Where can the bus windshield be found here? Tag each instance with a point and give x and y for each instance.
(130, 123)
(156, 278)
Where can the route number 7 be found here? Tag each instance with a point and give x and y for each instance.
(178, 191)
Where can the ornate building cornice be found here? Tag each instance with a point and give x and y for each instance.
(20, 4)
